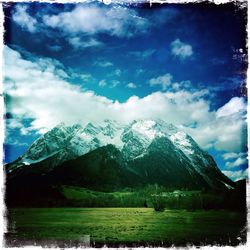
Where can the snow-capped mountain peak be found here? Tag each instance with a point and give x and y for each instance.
(68, 142)
(135, 141)
(76, 140)
(147, 128)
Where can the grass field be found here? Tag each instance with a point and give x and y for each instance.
(127, 226)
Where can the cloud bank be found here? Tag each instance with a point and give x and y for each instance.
(81, 25)
(93, 19)
(237, 175)
(23, 19)
(36, 89)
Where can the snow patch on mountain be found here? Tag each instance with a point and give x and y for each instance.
(147, 128)
(180, 139)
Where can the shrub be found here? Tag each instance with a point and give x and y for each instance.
(158, 203)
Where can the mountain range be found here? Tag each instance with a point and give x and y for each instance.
(110, 155)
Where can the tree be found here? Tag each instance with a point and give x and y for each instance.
(158, 202)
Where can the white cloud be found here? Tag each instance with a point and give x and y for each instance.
(50, 104)
(182, 85)
(221, 133)
(131, 85)
(103, 63)
(164, 81)
(81, 25)
(92, 20)
(82, 77)
(15, 123)
(114, 83)
(22, 18)
(238, 162)
(111, 84)
(142, 55)
(85, 77)
(102, 83)
(13, 141)
(78, 43)
(232, 155)
(180, 49)
(116, 72)
(235, 105)
(236, 175)
(55, 47)
(139, 71)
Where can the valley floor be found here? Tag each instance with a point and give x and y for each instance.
(123, 226)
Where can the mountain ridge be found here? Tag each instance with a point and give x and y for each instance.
(141, 145)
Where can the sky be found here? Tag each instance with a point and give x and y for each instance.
(86, 62)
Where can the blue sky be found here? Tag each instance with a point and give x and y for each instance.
(185, 64)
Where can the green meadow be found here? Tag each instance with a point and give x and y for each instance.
(151, 216)
(130, 226)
